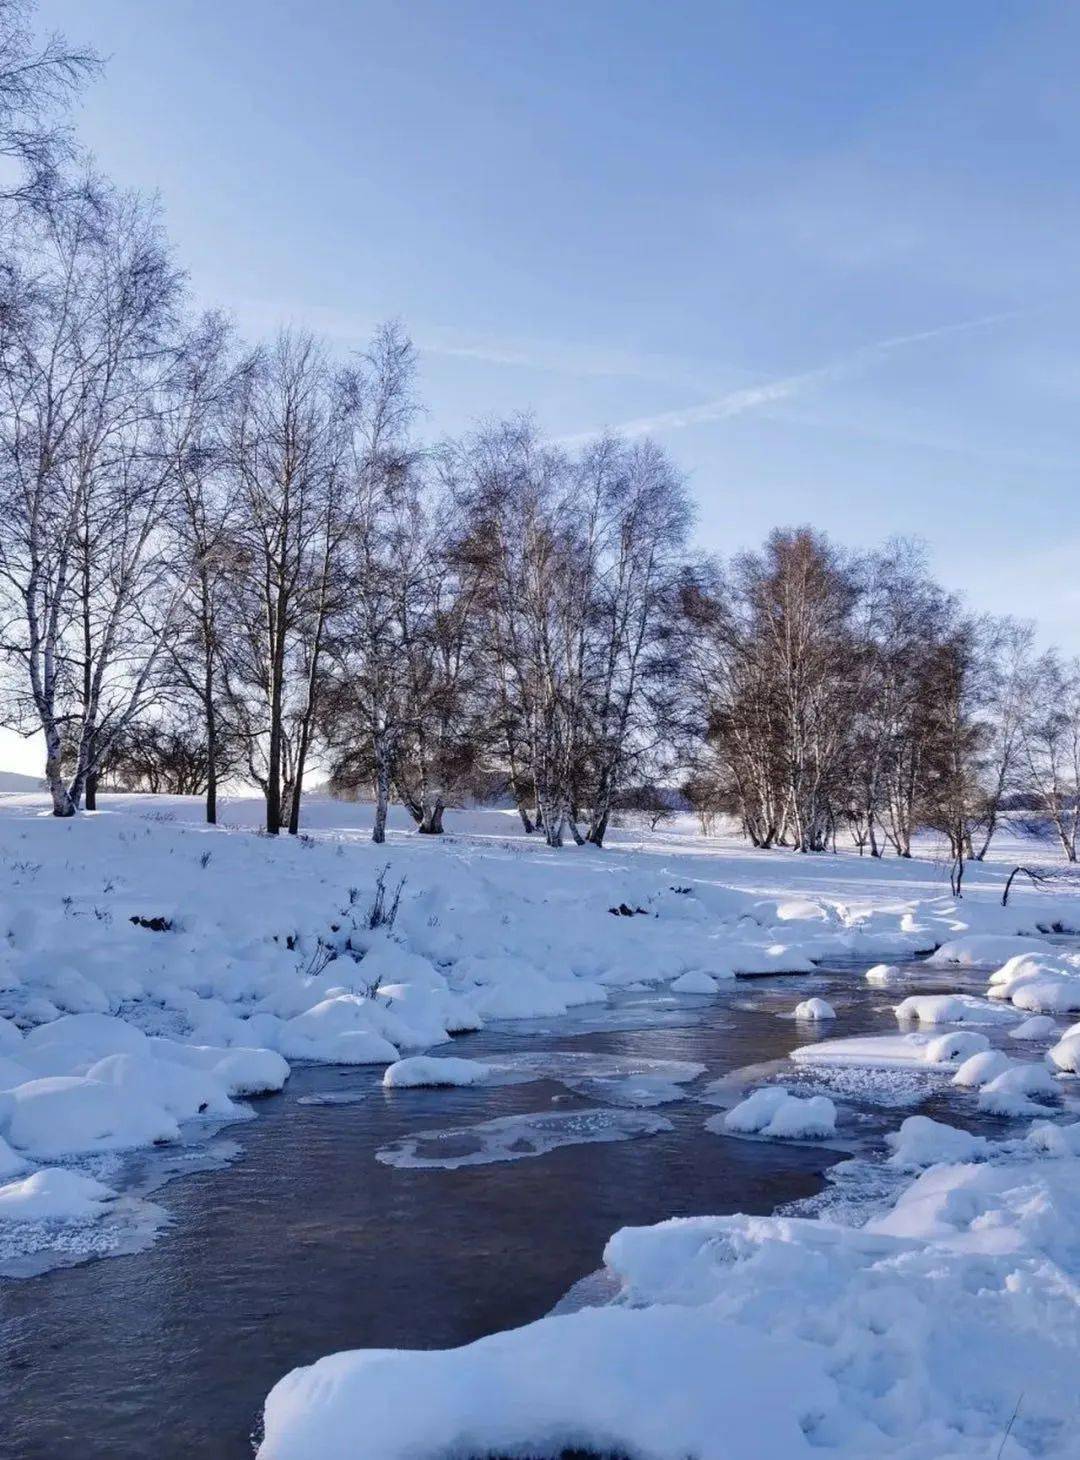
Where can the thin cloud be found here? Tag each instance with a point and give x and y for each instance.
(753, 397)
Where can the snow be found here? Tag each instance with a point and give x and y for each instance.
(884, 975)
(600, 1377)
(976, 949)
(1040, 985)
(921, 1141)
(908, 1337)
(1039, 1026)
(53, 1195)
(420, 1070)
(694, 982)
(980, 1069)
(951, 1009)
(813, 1009)
(1055, 1140)
(958, 1044)
(1007, 1093)
(884, 1051)
(765, 1338)
(773, 1112)
(1066, 1054)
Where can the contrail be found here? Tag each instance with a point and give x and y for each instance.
(748, 398)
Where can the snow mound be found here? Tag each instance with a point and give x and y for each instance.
(1039, 984)
(342, 1030)
(981, 1068)
(814, 1009)
(975, 949)
(884, 975)
(1066, 1054)
(886, 1051)
(421, 1070)
(1055, 1140)
(951, 1009)
(518, 1137)
(694, 982)
(772, 1111)
(1008, 1092)
(54, 1195)
(69, 1115)
(921, 1141)
(600, 1378)
(1039, 1026)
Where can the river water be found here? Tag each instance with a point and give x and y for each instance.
(306, 1243)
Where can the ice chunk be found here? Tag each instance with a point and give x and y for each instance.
(517, 1137)
(874, 1050)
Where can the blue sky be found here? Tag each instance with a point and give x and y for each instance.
(827, 252)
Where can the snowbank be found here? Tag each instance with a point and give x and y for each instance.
(765, 1338)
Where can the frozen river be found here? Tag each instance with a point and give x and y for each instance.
(307, 1243)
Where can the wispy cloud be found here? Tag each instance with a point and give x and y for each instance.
(770, 392)
(574, 359)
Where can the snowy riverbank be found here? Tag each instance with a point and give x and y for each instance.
(155, 974)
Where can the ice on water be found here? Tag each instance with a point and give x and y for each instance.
(518, 1137)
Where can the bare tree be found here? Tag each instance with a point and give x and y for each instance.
(287, 446)
(37, 84)
(86, 364)
(1050, 741)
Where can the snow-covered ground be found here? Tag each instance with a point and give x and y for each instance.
(156, 973)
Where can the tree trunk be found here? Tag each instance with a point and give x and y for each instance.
(382, 789)
(54, 774)
(431, 820)
(598, 830)
(91, 792)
